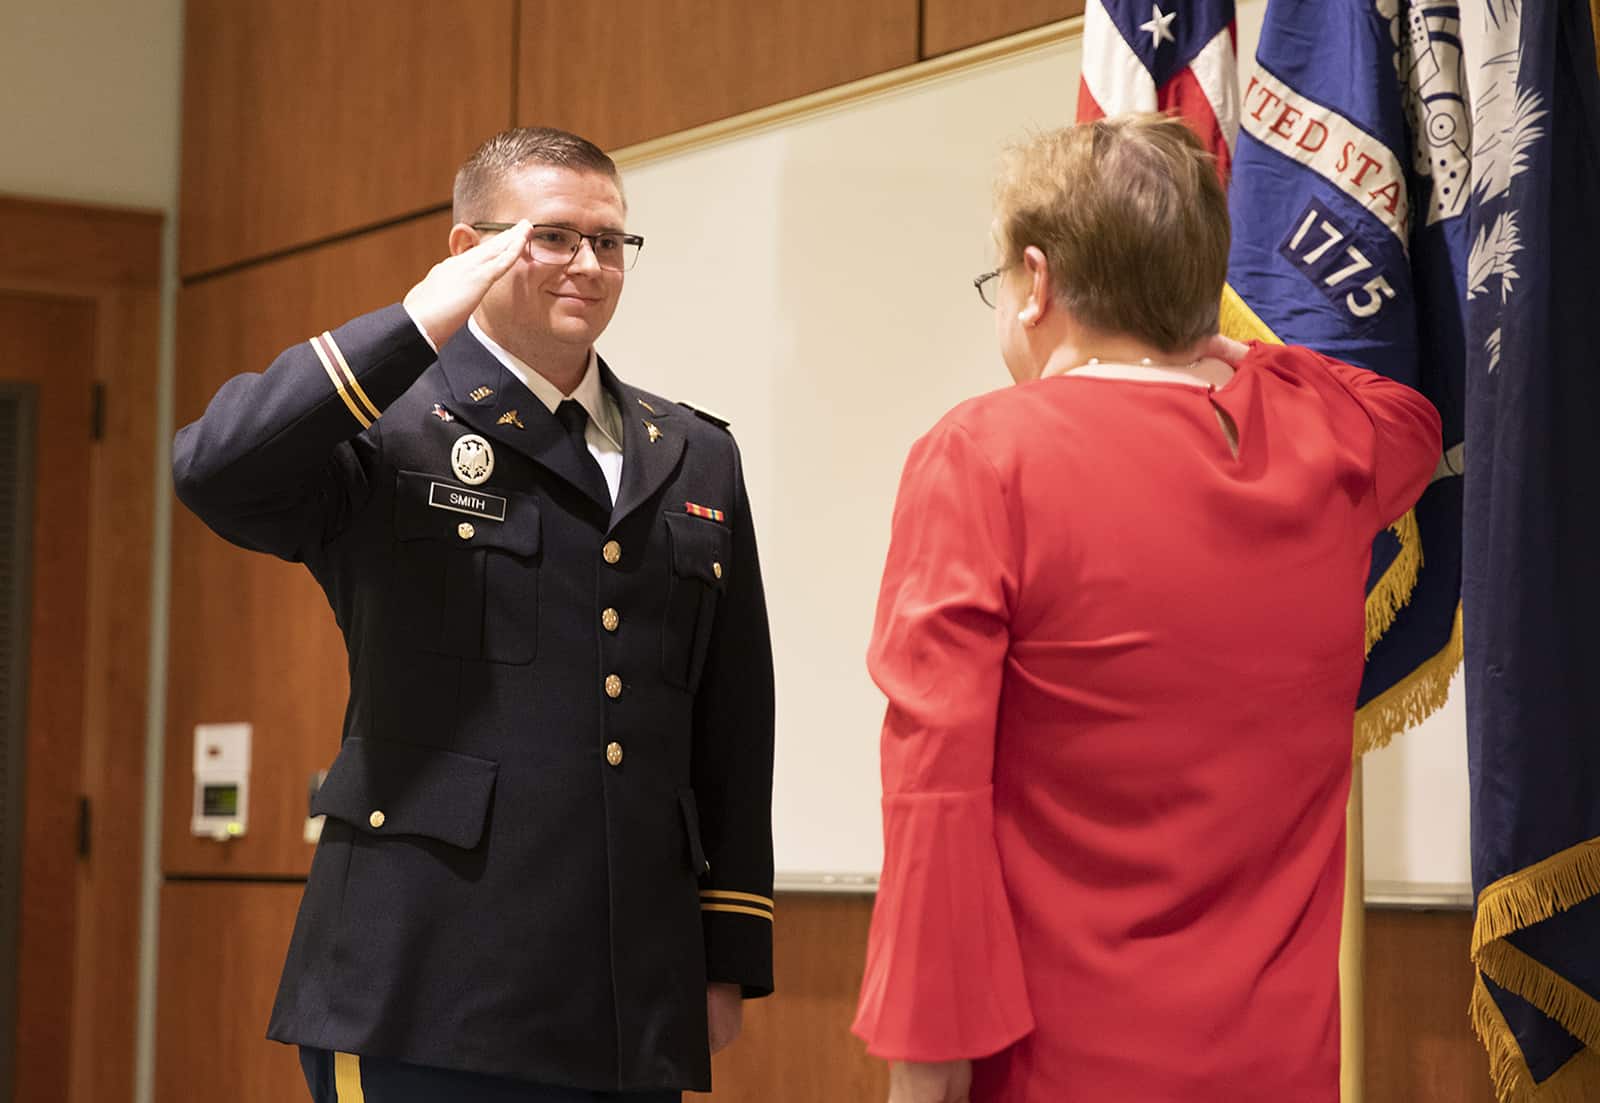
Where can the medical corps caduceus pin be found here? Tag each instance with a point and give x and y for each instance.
(472, 459)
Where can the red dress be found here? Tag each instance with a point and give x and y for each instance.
(1122, 667)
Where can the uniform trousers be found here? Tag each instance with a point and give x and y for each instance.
(345, 1078)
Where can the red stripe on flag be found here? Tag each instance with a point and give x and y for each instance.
(1088, 109)
(1183, 96)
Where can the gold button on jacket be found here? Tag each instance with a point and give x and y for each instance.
(612, 552)
(465, 530)
(614, 753)
(613, 686)
(376, 819)
(609, 620)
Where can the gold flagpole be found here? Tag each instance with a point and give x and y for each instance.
(1352, 952)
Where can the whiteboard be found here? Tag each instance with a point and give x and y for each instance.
(811, 281)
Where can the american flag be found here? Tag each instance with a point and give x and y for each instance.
(1176, 56)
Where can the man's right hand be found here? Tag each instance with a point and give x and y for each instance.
(446, 297)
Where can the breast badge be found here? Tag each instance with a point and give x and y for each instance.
(472, 459)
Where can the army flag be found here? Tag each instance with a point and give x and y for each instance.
(1531, 587)
(1348, 201)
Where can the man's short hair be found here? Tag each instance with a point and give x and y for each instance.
(478, 180)
(1133, 220)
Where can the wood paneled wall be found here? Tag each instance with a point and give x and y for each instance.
(221, 951)
(954, 24)
(320, 140)
(304, 119)
(222, 947)
(652, 67)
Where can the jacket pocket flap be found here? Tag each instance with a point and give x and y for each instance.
(700, 548)
(386, 788)
(427, 507)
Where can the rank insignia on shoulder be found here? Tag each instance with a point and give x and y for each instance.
(481, 393)
(655, 434)
(704, 511)
(649, 407)
(510, 418)
(442, 414)
(707, 415)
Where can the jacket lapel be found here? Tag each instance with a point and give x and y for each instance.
(496, 405)
(648, 459)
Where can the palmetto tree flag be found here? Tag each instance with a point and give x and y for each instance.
(1531, 590)
(1350, 236)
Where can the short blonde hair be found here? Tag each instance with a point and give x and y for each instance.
(1132, 219)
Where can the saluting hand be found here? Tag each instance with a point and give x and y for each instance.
(445, 298)
(930, 1081)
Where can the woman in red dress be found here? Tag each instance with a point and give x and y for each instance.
(1121, 634)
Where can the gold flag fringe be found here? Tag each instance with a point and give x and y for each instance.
(1393, 591)
(1412, 699)
(1555, 995)
(1532, 895)
(1518, 900)
(1577, 1081)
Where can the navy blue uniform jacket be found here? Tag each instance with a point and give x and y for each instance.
(549, 821)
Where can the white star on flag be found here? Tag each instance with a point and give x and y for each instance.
(1159, 26)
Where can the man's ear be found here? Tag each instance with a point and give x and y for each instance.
(462, 238)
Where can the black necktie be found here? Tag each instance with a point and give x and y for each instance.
(575, 420)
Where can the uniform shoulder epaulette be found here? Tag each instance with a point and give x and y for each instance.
(706, 415)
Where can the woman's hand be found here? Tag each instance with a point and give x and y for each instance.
(1225, 349)
(930, 1082)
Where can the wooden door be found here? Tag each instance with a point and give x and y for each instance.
(48, 342)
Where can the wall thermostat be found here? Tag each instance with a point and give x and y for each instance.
(221, 781)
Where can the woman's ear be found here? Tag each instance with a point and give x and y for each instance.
(1037, 267)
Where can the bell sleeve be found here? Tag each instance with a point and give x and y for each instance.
(944, 977)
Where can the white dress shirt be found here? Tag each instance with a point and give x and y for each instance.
(604, 432)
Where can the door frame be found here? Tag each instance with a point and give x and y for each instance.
(110, 257)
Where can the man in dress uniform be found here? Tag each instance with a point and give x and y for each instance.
(546, 869)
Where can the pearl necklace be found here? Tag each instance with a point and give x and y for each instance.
(1095, 362)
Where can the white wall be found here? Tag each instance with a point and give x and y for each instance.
(89, 100)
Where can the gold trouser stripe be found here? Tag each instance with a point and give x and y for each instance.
(350, 377)
(347, 1079)
(747, 897)
(338, 383)
(739, 909)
